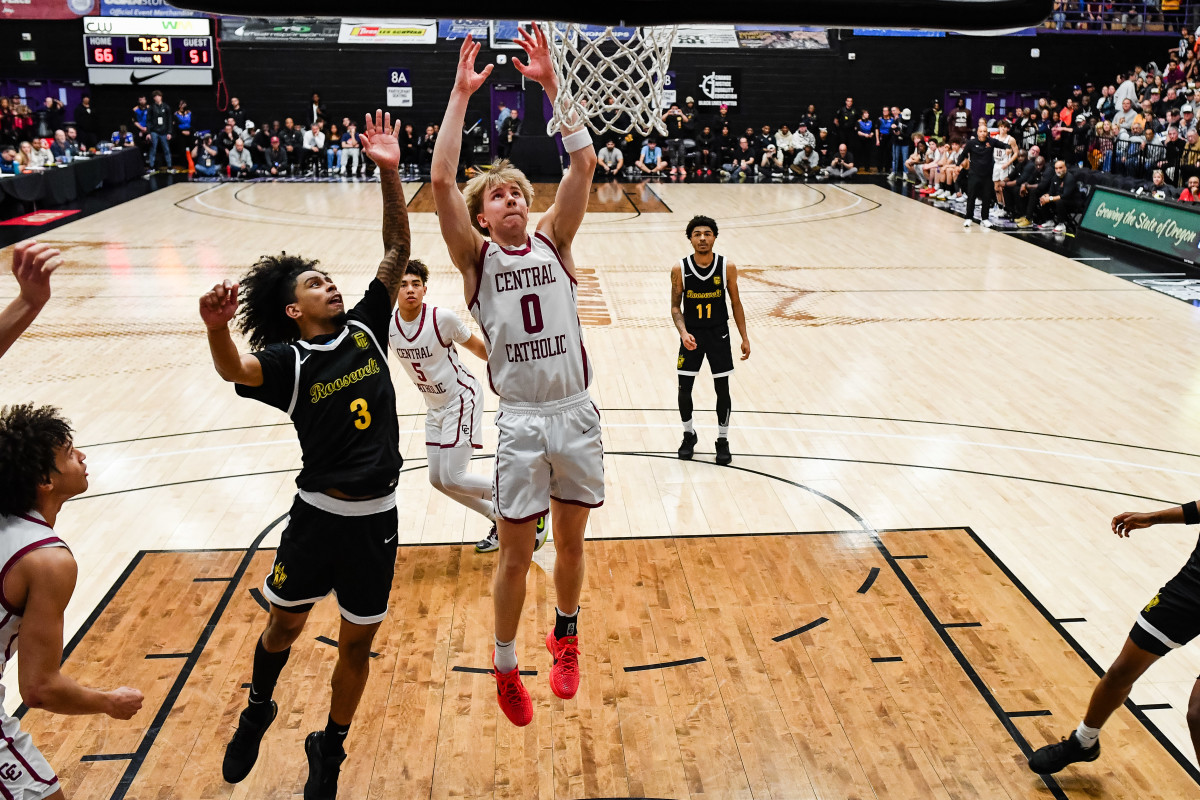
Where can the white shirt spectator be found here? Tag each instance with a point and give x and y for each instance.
(802, 138)
(1126, 89)
(785, 141)
(240, 158)
(611, 158)
(41, 158)
(1123, 119)
(312, 140)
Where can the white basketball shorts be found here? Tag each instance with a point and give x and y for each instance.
(24, 772)
(459, 423)
(547, 451)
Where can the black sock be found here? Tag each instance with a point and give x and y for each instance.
(267, 667)
(564, 625)
(334, 740)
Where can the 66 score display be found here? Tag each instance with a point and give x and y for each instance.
(149, 51)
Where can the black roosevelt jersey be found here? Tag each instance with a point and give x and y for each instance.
(339, 394)
(704, 303)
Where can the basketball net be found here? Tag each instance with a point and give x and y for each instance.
(610, 80)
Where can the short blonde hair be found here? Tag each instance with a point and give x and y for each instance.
(502, 172)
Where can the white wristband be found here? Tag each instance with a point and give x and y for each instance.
(577, 140)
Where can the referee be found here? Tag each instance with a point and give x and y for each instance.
(979, 179)
(328, 370)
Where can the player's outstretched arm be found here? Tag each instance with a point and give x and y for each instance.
(475, 347)
(217, 308)
(689, 341)
(563, 218)
(33, 264)
(381, 143)
(1128, 521)
(739, 316)
(462, 240)
(46, 578)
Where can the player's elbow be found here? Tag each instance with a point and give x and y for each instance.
(585, 157)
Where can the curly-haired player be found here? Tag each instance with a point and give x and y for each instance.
(328, 370)
(40, 470)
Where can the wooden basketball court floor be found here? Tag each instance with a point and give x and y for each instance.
(904, 582)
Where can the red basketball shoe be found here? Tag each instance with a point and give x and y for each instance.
(564, 675)
(511, 695)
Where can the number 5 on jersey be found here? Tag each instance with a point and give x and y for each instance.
(359, 407)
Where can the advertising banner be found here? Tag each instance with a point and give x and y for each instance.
(782, 37)
(143, 8)
(1166, 228)
(281, 29)
(719, 87)
(46, 9)
(388, 31)
(459, 28)
(706, 36)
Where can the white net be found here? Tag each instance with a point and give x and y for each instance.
(612, 79)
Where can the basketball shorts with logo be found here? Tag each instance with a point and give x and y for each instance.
(24, 772)
(459, 423)
(347, 547)
(547, 450)
(711, 343)
(1172, 618)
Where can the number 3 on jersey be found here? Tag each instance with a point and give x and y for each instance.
(359, 407)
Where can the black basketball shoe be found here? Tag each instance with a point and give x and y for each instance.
(723, 455)
(323, 770)
(687, 448)
(242, 750)
(1055, 757)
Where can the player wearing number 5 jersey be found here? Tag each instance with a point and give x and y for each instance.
(699, 285)
(521, 290)
(327, 369)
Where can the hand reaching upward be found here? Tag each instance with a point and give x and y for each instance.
(538, 66)
(467, 80)
(381, 140)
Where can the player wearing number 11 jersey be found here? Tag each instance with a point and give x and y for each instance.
(327, 369)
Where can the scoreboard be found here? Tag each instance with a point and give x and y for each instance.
(152, 50)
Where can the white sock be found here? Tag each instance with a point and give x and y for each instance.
(1087, 736)
(688, 427)
(506, 655)
(722, 431)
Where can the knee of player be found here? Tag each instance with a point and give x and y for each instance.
(438, 482)
(282, 631)
(356, 653)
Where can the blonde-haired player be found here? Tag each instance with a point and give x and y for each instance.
(521, 290)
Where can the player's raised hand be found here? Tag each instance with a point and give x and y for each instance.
(689, 341)
(381, 140)
(467, 80)
(125, 702)
(745, 349)
(33, 264)
(1128, 521)
(538, 66)
(219, 304)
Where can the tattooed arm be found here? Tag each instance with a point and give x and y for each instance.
(689, 341)
(381, 143)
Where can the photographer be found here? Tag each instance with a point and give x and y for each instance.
(206, 157)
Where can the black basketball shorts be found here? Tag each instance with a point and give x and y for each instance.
(351, 554)
(1171, 619)
(711, 343)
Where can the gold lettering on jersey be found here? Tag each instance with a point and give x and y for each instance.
(414, 353)
(319, 391)
(525, 278)
(278, 576)
(716, 280)
(692, 295)
(360, 339)
(536, 349)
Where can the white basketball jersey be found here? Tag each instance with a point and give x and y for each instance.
(999, 156)
(426, 349)
(19, 535)
(525, 305)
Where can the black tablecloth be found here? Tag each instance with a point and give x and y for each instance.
(60, 185)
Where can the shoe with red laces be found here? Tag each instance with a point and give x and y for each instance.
(564, 674)
(511, 695)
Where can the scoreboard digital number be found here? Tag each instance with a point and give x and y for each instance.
(133, 49)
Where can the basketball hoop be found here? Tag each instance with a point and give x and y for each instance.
(610, 79)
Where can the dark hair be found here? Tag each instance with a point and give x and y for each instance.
(700, 221)
(156, 93)
(418, 268)
(267, 289)
(29, 437)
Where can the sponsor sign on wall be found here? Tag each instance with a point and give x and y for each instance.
(706, 36)
(282, 29)
(399, 89)
(46, 9)
(719, 87)
(143, 8)
(1166, 228)
(459, 28)
(388, 31)
(782, 37)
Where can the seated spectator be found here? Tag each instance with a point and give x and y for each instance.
(1125, 117)
(333, 147)
(771, 163)
(275, 160)
(609, 160)
(806, 164)
(8, 161)
(802, 136)
(1191, 192)
(41, 156)
(292, 139)
(841, 166)
(785, 144)
(912, 165)
(1188, 121)
(241, 164)
(651, 154)
(1027, 188)
(1157, 187)
(1056, 197)
(206, 156)
(225, 140)
(351, 150)
(314, 150)
(1189, 159)
(25, 155)
(74, 145)
(707, 152)
(743, 162)
(59, 149)
(729, 145)
(946, 175)
(938, 156)
(122, 137)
